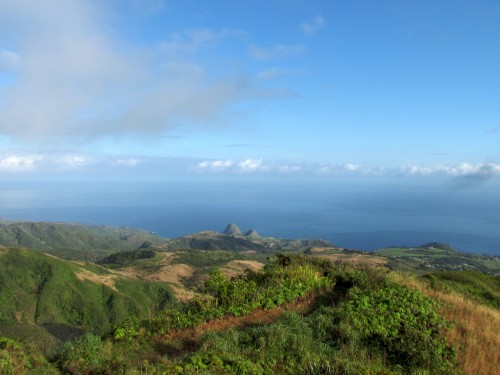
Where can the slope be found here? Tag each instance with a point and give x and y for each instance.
(38, 289)
(73, 241)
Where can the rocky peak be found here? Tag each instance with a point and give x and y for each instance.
(252, 233)
(232, 230)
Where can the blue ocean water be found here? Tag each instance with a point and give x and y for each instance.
(351, 215)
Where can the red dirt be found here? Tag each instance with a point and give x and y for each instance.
(188, 340)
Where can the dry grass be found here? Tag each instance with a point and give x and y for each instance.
(108, 280)
(475, 331)
(238, 267)
(167, 272)
(355, 259)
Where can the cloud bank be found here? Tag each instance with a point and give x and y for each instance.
(462, 175)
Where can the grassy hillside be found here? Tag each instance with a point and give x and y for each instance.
(326, 311)
(299, 315)
(239, 243)
(435, 256)
(184, 270)
(477, 286)
(72, 241)
(38, 289)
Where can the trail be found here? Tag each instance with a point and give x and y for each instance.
(182, 342)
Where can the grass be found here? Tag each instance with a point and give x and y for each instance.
(372, 320)
(39, 289)
(427, 258)
(475, 330)
(414, 252)
(477, 286)
(71, 241)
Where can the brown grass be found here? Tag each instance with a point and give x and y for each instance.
(238, 267)
(168, 273)
(355, 259)
(108, 280)
(475, 331)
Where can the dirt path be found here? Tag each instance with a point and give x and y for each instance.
(185, 341)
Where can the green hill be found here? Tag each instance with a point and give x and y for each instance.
(439, 257)
(38, 289)
(73, 241)
(239, 243)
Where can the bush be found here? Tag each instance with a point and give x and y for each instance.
(277, 284)
(88, 355)
(402, 322)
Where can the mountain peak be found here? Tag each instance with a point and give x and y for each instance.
(232, 230)
(252, 233)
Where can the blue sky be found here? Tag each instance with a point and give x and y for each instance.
(290, 88)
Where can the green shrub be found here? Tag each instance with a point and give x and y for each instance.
(275, 285)
(88, 354)
(402, 322)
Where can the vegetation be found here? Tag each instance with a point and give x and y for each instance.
(126, 258)
(358, 335)
(300, 314)
(72, 241)
(475, 328)
(274, 286)
(477, 286)
(39, 289)
(435, 256)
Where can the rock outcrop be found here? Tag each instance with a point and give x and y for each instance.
(232, 230)
(252, 233)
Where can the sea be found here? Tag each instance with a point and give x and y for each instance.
(354, 214)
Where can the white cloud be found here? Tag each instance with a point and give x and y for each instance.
(275, 52)
(215, 164)
(78, 80)
(484, 170)
(351, 167)
(8, 59)
(60, 162)
(311, 27)
(129, 162)
(16, 163)
(250, 165)
(335, 168)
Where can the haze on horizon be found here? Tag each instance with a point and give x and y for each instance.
(332, 90)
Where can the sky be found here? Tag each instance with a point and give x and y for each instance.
(319, 88)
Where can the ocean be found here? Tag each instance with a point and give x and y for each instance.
(352, 215)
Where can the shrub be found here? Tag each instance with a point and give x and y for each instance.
(88, 355)
(403, 323)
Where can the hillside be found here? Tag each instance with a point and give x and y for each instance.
(435, 256)
(72, 241)
(91, 243)
(217, 303)
(250, 241)
(64, 297)
(183, 270)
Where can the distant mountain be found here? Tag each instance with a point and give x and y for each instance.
(232, 230)
(238, 243)
(252, 233)
(73, 241)
(214, 241)
(92, 243)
